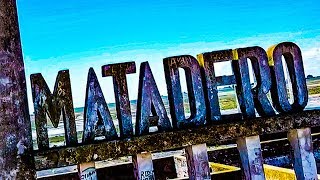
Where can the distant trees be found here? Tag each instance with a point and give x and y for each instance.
(310, 76)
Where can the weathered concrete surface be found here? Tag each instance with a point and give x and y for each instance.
(251, 157)
(277, 152)
(212, 135)
(87, 171)
(164, 168)
(16, 161)
(304, 161)
(143, 166)
(197, 161)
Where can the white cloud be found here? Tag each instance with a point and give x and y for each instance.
(311, 59)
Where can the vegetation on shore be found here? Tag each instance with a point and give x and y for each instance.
(228, 102)
(314, 90)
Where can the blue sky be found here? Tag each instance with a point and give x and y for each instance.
(78, 34)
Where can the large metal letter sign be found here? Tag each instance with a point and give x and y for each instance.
(244, 95)
(17, 156)
(148, 96)
(95, 111)
(211, 82)
(292, 55)
(53, 105)
(195, 91)
(261, 70)
(118, 73)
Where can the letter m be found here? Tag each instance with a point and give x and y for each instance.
(54, 106)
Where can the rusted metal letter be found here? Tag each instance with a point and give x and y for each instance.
(211, 83)
(97, 118)
(60, 102)
(279, 94)
(197, 161)
(241, 72)
(259, 61)
(195, 91)
(118, 72)
(148, 96)
(16, 157)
